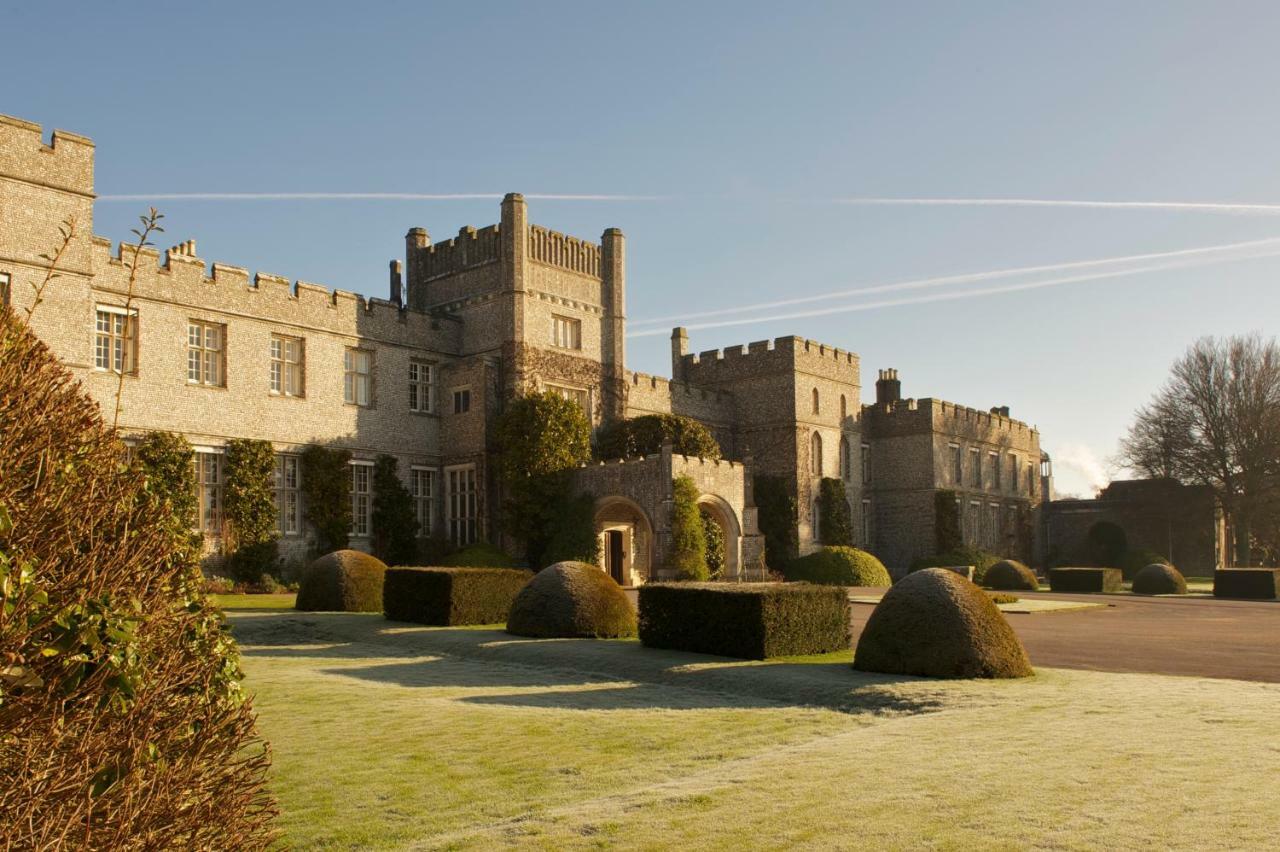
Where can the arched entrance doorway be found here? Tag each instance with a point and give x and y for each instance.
(715, 510)
(626, 540)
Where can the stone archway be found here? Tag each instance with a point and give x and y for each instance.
(626, 540)
(722, 514)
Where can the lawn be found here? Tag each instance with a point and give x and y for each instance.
(256, 602)
(393, 736)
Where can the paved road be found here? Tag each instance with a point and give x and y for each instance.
(1205, 637)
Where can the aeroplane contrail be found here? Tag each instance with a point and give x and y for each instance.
(1186, 206)
(367, 196)
(966, 278)
(969, 294)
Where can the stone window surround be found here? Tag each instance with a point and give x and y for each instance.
(462, 515)
(424, 389)
(361, 498)
(279, 355)
(461, 399)
(202, 350)
(207, 460)
(5, 283)
(566, 332)
(284, 492)
(353, 377)
(130, 346)
(424, 499)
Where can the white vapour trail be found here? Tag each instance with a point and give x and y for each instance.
(965, 278)
(366, 196)
(969, 294)
(1185, 206)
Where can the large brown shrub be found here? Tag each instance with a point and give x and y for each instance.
(122, 720)
(342, 581)
(572, 599)
(1159, 578)
(1010, 574)
(936, 623)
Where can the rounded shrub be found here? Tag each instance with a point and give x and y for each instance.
(477, 556)
(1159, 578)
(839, 566)
(342, 581)
(1010, 574)
(572, 599)
(936, 623)
(1135, 560)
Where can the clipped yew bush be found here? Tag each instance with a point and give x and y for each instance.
(1135, 560)
(1088, 580)
(122, 719)
(446, 597)
(749, 620)
(935, 623)
(1159, 578)
(981, 560)
(342, 581)
(1010, 575)
(839, 566)
(572, 599)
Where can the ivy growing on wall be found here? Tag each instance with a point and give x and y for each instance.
(714, 537)
(326, 491)
(643, 436)
(835, 519)
(394, 524)
(168, 462)
(777, 518)
(947, 533)
(249, 508)
(688, 535)
(574, 538)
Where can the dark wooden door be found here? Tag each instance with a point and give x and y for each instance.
(616, 557)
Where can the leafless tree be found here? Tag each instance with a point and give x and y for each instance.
(1217, 422)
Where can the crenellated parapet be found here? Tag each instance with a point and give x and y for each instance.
(762, 357)
(471, 248)
(906, 416)
(65, 164)
(563, 251)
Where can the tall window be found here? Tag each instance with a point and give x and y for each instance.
(423, 488)
(115, 346)
(846, 460)
(866, 523)
(975, 461)
(357, 368)
(844, 408)
(1031, 480)
(566, 332)
(462, 401)
(461, 504)
(957, 464)
(974, 532)
(577, 395)
(815, 454)
(4, 288)
(208, 469)
(286, 488)
(361, 498)
(817, 408)
(993, 525)
(287, 363)
(994, 463)
(205, 341)
(1013, 472)
(421, 387)
(866, 464)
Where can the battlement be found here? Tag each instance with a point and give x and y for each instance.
(782, 354)
(65, 163)
(942, 416)
(663, 385)
(471, 248)
(571, 253)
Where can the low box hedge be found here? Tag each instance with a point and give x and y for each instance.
(451, 596)
(1086, 579)
(1254, 583)
(750, 620)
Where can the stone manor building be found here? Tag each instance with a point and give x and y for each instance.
(214, 353)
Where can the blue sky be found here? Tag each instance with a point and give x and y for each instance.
(750, 122)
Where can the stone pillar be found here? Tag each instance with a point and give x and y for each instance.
(415, 242)
(513, 235)
(613, 333)
(397, 283)
(679, 348)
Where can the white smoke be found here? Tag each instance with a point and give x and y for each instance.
(1082, 461)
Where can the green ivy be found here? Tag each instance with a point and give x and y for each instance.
(947, 535)
(835, 519)
(394, 524)
(167, 461)
(575, 537)
(777, 518)
(645, 435)
(714, 536)
(688, 535)
(326, 491)
(249, 508)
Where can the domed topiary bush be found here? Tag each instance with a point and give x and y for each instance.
(342, 581)
(1010, 574)
(839, 566)
(1135, 560)
(1159, 579)
(572, 599)
(477, 556)
(981, 560)
(935, 623)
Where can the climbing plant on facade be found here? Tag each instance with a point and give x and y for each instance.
(835, 521)
(326, 492)
(688, 534)
(643, 436)
(393, 526)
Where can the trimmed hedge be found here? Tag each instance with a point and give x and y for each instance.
(572, 600)
(1085, 580)
(1009, 575)
(1253, 583)
(752, 621)
(446, 597)
(936, 623)
(1159, 579)
(342, 581)
(839, 566)
(478, 556)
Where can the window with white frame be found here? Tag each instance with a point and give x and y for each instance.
(357, 377)
(422, 482)
(974, 531)
(288, 505)
(208, 470)
(578, 395)
(460, 497)
(566, 332)
(422, 387)
(205, 343)
(4, 288)
(361, 498)
(866, 464)
(288, 359)
(115, 339)
(462, 400)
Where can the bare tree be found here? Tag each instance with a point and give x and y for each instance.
(67, 232)
(150, 225)
(1216, 422)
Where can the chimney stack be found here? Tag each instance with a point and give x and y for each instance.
(397, 283)
(679, 348)
(888, 388)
